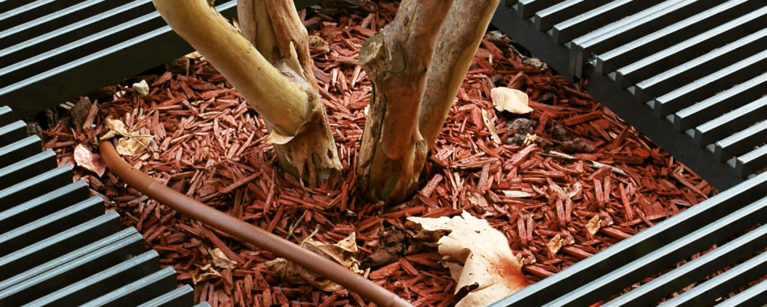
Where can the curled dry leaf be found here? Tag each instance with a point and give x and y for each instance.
(132, 145)
(510, 100)
(89, 160)
(477, 255)
(131, 142)
(491, 127)
(205, 273)
(141, 87)
(220, 260)
(116, 127)
(342, 252)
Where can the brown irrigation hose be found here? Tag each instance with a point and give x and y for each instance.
(247, 232)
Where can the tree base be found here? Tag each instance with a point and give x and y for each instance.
(310, 154)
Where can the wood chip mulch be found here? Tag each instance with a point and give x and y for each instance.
(209, 144)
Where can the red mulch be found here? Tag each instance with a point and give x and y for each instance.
(210, 145)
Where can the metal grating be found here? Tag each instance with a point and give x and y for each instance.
(57, 246)
(660, 247)
(51, 51)
(691, 75)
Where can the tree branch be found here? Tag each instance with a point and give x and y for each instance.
(280, 101)
(275, 76)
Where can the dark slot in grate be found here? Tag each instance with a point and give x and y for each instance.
(690, 75)
(51, 51)
(660, 247)
(56, 50)
(56, 244)
(692, 66)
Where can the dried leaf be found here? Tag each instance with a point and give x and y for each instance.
(132, 145)
(205, 273)
(89, 160)
(116, 127)
(490, 126)
(342, 252)
(510, 100)
(131, 142)
(477, 255)
(555, 244)
(220, 260)
(141, 87)
(593, 225)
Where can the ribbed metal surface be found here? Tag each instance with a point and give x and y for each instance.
(660, 247)
(691, 75)
(51, 51)
(57, 246)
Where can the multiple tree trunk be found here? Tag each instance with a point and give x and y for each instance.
(269, 64)
(416, 64)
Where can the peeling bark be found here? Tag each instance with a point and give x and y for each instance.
(269, 64)
(397, 60)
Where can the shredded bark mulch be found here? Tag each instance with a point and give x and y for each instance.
(562, 183)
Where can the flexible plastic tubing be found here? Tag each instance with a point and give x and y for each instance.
(247, 232)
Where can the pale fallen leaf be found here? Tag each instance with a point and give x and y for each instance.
(220, 260)
(342, 253)
(477, 255)
(555, 244)
(593, 225)
(131, 142)
(141, 87)
(510, 100)
(132, 145)
(205, 273)
(491, 127)
(516, 194)
(116, 127)
(89, 160)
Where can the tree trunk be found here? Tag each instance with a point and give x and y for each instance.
(396, 60)
(415, 80)
(460, 36)
(275, 76)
